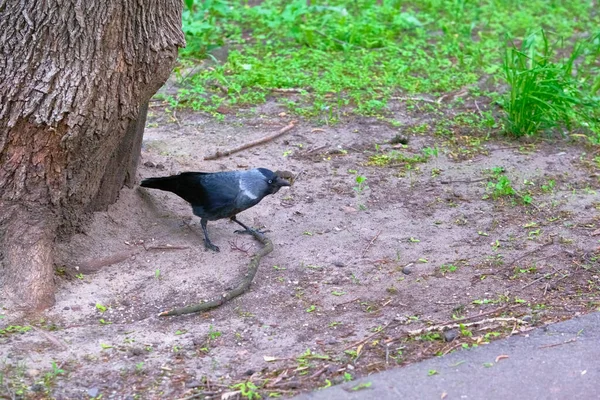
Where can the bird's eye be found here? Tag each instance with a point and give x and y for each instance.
(270, 181)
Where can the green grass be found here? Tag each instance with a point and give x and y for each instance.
(353, 57)
(545, 92)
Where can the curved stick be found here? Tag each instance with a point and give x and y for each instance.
(265, 139)
(241, 287)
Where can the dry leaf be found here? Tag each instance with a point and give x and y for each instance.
(359, 349)
(230, 395)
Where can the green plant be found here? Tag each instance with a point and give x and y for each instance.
(502, 187)
(213, 334)
(248, 390)
(360, 184)
(447, 268)
(545, 93)
(14, 329)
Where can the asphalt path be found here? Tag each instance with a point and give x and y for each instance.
(557, 361)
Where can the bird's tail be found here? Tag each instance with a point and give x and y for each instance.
(168, 183)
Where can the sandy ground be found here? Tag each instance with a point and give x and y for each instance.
(417, 247)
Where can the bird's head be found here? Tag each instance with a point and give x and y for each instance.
(274, 182)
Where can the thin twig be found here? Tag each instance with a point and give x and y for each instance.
(235, 246)
(287, 90)
(558, 344)
(346, 302)
(51, 338)
(463, 181)
(316, 149)
(263, 140)
(241, 287)
(537, 280)
(413, 99)
(370, 243)
(446, 327)
(529, 253)
(365, 340)
(478, 109)
(472, 317)
(319, 372)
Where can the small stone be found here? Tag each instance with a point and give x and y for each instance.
(36, 387)
(408, 269)
(332, 341)
(136, 351)
(93, 392)
(249, 372)
(160, 166)
(149, 164)
(66, 308)
(193, 384)
(339, 263)
(527, 318)
(450, 335)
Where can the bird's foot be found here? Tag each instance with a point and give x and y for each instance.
(250, 231)
(210, 246)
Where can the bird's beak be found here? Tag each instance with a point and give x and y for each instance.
(282, 182)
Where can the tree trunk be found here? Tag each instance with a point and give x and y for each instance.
(75, 80)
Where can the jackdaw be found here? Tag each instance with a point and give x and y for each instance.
(220, 195)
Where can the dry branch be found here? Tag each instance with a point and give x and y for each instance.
(266, 139)
(370, 244)
(445, 327)
(241, 287)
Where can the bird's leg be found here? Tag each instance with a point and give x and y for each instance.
(207, 243)
(246, 229)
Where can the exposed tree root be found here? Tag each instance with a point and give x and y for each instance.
(241, 287)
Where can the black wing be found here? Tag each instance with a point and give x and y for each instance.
(212, 195)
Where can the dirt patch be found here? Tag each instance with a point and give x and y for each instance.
(426, 238)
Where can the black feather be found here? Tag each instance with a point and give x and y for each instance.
(219, 195)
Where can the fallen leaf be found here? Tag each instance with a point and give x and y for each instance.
(229, 395)
(359, 349)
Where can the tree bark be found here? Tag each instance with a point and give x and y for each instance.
(75, 80)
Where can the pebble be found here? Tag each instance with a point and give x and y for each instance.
(149, 164)
(136, 351)
(527, 318)
(408, 269)
(192, 384)
(339, 263)
(93, 392)
(450, 335)
(37, 387)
